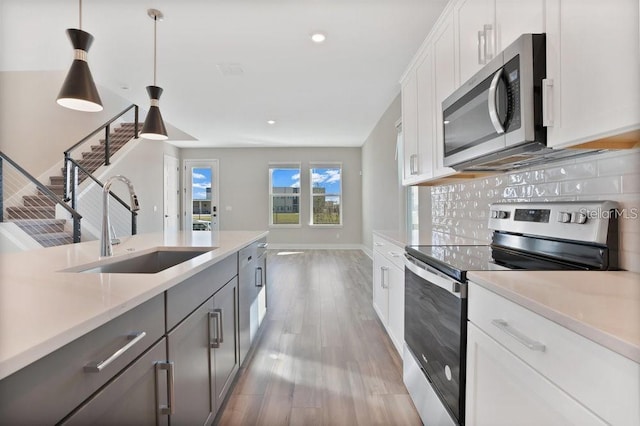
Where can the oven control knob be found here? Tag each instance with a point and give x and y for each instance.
(578, 217)
(564, 217)
(494, 214)
(503, 215)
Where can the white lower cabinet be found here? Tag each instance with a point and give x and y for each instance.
(388, 289)
(527, 370)
(503, 390)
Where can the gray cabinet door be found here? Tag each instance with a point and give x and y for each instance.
(188, 347)
(131, 397)
(224, 358)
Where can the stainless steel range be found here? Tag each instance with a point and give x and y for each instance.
(526, 236)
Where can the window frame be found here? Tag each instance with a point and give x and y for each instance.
(340, 195)
(293, 166)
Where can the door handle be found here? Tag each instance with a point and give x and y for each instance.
(170, 407)
(493, 107)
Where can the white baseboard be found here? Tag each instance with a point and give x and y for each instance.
(281, 246)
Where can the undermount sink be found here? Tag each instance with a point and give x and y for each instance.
(149, 263)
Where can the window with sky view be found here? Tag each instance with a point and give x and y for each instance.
(326, 190)
(284, 188)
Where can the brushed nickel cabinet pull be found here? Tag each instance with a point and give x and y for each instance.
(170, 407)
(98, 366)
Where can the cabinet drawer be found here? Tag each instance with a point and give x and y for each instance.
(602, 380)
(389, 250)
(47, 390)
(185, 297)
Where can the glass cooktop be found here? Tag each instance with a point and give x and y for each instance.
(457, 260)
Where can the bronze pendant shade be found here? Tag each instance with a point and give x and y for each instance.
(153, 127)
(79, 91)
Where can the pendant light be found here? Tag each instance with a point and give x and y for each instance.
(153, 127)
(79, 90)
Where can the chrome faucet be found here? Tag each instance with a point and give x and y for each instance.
(106, 242)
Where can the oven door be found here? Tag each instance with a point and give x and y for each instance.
(435, 331)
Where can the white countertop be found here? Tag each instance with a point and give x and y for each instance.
(603, 306)
(42, 309)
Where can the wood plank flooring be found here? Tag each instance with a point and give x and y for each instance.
(323, 357)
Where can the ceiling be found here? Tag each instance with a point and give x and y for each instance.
(329, 94)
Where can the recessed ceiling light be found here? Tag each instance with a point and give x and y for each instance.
(318, 37)
(271, 121)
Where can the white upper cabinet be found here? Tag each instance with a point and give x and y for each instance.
(474, 35)
(592, 89)
(418, 121)
(426, 115)
(485, 27)
(444, 85)
(410, 128)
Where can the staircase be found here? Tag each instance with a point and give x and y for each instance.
(37, 214)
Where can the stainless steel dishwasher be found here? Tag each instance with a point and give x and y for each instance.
(252, 277)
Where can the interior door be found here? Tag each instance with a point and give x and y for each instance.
(201, 201)
(171, 194)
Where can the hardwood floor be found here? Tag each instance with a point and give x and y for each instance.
(323, 357)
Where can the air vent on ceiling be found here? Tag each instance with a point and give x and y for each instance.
(230, 69)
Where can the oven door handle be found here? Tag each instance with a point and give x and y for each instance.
(435, 277)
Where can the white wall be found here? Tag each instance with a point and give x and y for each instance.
(383, 200)
(461, 209)
(34, 129)
(244, 187)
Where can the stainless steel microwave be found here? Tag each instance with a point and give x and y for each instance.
(494, 120)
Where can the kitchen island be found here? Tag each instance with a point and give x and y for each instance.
(47, 306)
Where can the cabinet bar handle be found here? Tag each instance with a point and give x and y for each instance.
(413, 168)
(166, 409)
(378, 244)
(547, 102)
(488, 43)
(259, 276)
(394, 254)
(98, 366)
(383, 270)
(521, 338)
(217, 315)
(263, 245)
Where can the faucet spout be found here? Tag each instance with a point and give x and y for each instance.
(106, 247)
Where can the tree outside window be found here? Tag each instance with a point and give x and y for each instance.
(326, 195)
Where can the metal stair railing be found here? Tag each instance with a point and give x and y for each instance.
(107, 155)
(22, 179)
(75, 169)
(72, 167)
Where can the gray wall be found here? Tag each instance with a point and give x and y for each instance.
(383, 198)
(244, 187)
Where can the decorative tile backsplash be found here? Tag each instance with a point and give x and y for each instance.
(461, 209)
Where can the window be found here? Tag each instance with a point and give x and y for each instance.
(284, 195)
(326, 194)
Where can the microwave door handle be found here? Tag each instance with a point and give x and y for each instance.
(493, 106)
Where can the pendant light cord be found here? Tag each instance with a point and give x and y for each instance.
(155, 44)
(80, 14)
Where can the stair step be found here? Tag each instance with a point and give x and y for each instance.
(112, 146)
(31, 212)
(56, 180)
(56, 189)
(40, 226)
(38, 201)
(53, 238)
